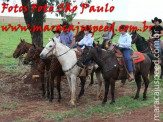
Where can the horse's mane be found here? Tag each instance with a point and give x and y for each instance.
(100, 50)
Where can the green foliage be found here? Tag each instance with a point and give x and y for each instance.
(4, 106)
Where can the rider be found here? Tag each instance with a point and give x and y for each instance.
(108, 34)
(67, 37)
(86, 41)
(156, 32)
(124, 43)
(57, 36)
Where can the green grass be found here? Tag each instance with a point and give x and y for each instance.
(4, 106)
(123, 104)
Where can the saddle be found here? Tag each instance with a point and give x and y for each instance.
(136, 57)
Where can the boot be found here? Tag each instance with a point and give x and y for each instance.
(131, 76)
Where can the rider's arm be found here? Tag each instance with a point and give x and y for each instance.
(108, 36)
(150, 34)
(72, 37)
(161, 33)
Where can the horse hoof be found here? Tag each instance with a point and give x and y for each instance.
(90, 84)
(59, 101)
(103, 103)
(43, 96)
(71, 105)
(136, 98)
(50, 100)
(122, 84)
(144, 99)
(112, 103)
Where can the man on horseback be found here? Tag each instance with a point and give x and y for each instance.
(108, 35)
(124, 44)
(67, 37)
(86, 41)
(156, 32)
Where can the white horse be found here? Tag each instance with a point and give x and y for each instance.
(68, 60)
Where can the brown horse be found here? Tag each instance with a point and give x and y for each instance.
(22, 48)
(43, 65)
(112, 71)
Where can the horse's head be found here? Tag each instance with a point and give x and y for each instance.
(108, 45)
(49, 49)
(85, 57)
(33, 54)
(134, 36)
(20, 49)
(79, 36)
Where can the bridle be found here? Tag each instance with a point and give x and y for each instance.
(134, 39)
(22, 49)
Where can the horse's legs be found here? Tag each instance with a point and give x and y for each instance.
(92, 80)
(52, 77)
(146, 82)
(47, 84)
(59, 88)
(99, 80)
(138, 83)
(73, 89)
(43, 84)
(83, 80)
(112, 91)
(107, 82)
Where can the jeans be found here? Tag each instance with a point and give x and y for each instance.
(127, 53)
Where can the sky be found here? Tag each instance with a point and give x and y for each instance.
(125, 10)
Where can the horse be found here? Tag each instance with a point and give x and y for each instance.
(43, 65)
(68, 59)
(21, 49)
(144, 46)
(111, 70)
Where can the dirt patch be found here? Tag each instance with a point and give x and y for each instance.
(21, 101)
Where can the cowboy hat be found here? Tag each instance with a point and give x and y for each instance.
(56, 31)
(87, 28)
(65, 24)
(109, 22)
(156, 19)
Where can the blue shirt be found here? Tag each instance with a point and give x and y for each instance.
(125, 41)
(87, 40)
(66, 38)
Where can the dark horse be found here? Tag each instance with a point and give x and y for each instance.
(143, 46)
(107, 61)
(43, 65)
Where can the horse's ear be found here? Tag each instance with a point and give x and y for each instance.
(86, 47)
(52, 39)
(21, 40)
(135, 32)
(34, 45)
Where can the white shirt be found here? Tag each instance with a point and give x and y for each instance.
(58, 39)
(87, 40)
(125, 41)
